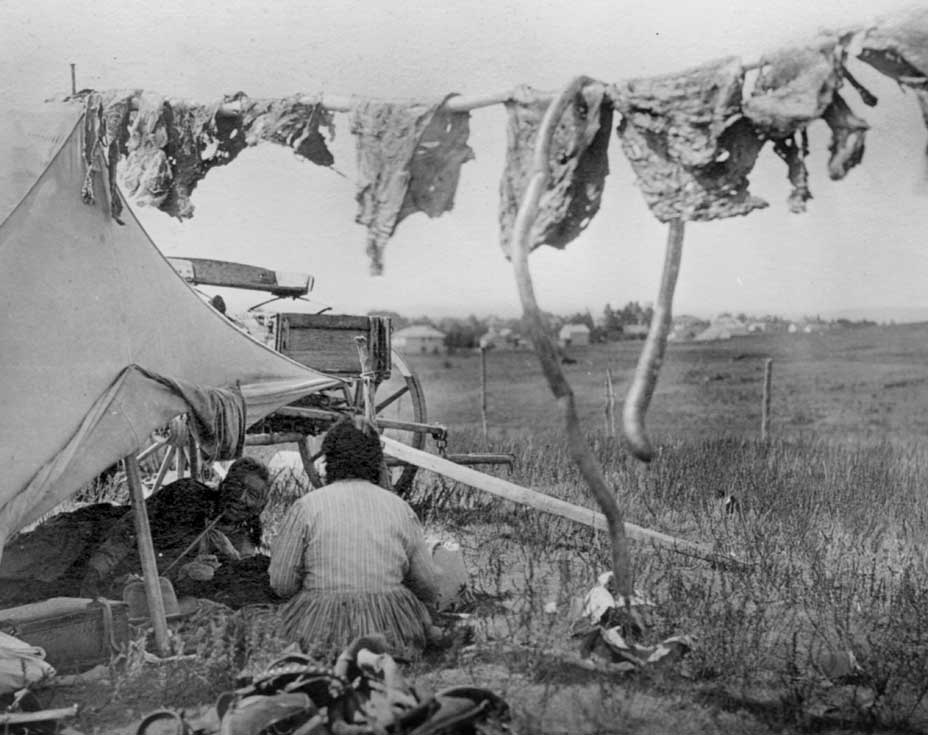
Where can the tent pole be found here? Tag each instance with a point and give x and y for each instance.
(147, 556)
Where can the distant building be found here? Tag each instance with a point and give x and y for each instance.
(418, 339)
(574, 335)
(501, 339)
(723, 327)
(634, 331)
(686, 327)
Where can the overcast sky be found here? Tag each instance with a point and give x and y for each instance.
(860, 246)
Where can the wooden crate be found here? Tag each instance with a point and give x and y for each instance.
(326, 342)
(75, 633)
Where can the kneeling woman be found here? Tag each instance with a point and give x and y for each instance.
(352, 555)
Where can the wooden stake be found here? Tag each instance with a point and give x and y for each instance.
(483, 391)
(73, 79)
(609, 408)
(577, 445)
(545, 503)
(147, 556)
(765, 404)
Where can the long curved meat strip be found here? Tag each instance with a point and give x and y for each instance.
(577, 445)
(652, 354)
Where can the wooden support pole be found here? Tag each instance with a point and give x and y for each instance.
(145, 453)
(545, 503)
(367, 377)
(73, 79)
(194, 456)
(180, 460)
(483, 392)
(609, 407)
(147, 556)
(765, 405)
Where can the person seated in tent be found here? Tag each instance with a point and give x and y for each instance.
(178, 514)
(351, 556)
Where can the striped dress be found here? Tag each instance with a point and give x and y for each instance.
(353, 560)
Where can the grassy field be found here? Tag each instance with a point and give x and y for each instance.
(827, 631)
(851, 385)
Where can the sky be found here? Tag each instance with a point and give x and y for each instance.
(858, 250)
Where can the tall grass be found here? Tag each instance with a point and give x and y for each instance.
(832, 616)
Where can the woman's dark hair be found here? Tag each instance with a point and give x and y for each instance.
(352, 453)
(244, 466)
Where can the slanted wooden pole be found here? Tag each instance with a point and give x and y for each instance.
(577, 446)
(765, 405)
(147, 556)
(545, 503)
(483, 391)
(163, 469)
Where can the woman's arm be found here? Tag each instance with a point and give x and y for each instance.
(422, 577)
(286, 568)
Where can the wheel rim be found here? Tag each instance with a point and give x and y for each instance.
(402, 398)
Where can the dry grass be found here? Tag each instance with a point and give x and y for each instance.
(832, 516)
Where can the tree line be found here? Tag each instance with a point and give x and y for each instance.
(465, 332)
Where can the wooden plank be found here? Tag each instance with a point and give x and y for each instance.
(329, 321)
(545, 503)
(206, 272)
(147, 555)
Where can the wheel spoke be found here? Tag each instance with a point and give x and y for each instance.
(401, 392)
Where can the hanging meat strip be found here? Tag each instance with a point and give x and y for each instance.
(688, 143)
(292, 122)
(406, 164)
(899, 49)
(578, 165)
(796, 86)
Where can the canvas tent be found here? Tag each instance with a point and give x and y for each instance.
(98, 330)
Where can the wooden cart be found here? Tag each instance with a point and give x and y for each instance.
(376, 380)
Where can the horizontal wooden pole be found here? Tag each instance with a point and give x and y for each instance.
(283, 437)
(465, 459)
(545, 503)
(21, 718)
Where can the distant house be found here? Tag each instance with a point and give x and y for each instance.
(686, 327)
(574, 335)
(722, 327)
(418, 339)
(634, 331)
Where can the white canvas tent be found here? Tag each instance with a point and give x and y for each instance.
(93, 317)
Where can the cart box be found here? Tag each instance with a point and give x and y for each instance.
(326, 342)
(76, 633)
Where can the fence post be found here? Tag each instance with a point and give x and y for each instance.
(609, 408)
(765, 405)
(483, 390)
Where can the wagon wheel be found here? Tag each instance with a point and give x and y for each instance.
(401, 398)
